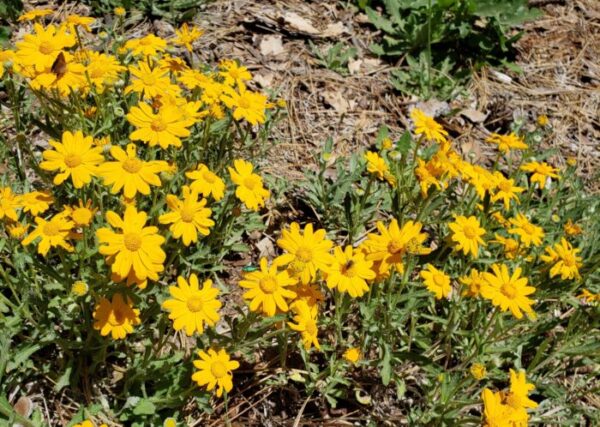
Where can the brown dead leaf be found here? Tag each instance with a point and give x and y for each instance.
(338, 101)
(266, 248)
(335, 30)
(474, 116)
(299, 23)
(264, 79)
(354, 66)
(271, 45)
(24, 406)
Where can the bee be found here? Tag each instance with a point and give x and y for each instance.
(59, 66)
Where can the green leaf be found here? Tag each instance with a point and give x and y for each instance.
(404, 143)
(144, 407)
(386, 366)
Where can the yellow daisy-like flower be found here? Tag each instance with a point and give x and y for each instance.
(103, 70)
(349, 271)
(137, 248)
(377, 166)
(150, 82)
(572, 229)
(84, 22)
(429, 174)
(206, 182)
(39, 51)
(34, 14)
(75, 157)
(116, 317)
(88, 423)
(52, 233)
(306, 253)
(214, 370)
(234, 74)
(149, 45)
(518, 393)
(436, 281)
(189, 216)
(509, 292)
(267, 288)
(130, 173)
(478, 371)
(467, 232)
(495, 412)
(119, 11)
(511, 246)
(250, 188)
(589, 297)
(352, 355)
(306, 323)
(481, 179)
(541, 171)
(164, 128)
(80, 288)
(186, 36)
(474, 281)
(390, 246)
(191, 306)
(245, 104)
(82, 214)
(310, 293)
(506, 190)
(17, 230)
(427, 126)
(508, 142)
(564, 260)
(9, 203)
(528, 233)
(36, 202)
(543, 120)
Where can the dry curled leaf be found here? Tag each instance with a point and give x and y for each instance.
(299, 23)
(271, 45)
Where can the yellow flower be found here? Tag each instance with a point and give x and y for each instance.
(34, 14)
(306, 253)
(428, 174)
(39, 51)
(474, 281)
(572, 229)
(233, 74)
(119, 11)
(528, 233)
(508, 142)
(511, 246)
(88, 423)
(306, 323)
(310, 293)
(467, 234)
(52, 233)
(17, 230)
(186, 36)
(495, 412)
(165, 128)
(170, 422)
(267, 288)
(387, 144)
(130, 173)
(427, 126)
(103, 70)
(116, 317)
(73, 21)
(564, 259)
(509, 292)
(188, 217)
(82, 215)
(36, 202)
(250, 188)
(541, 171)
(214, 370)
(377, 166)
(149, 45)
(76, 157)
(436, 281)
(80, 288)
(150, 82)
(191, 306)
(206, 182)
(478, 371)
(517, 396)
(9, 203)
(506, 190)
(136, 248)
(589, 297)
(349, 271)
(391, 244)
(245, 104)
(572, 161)
(352, 355)
(542, 120)
(172, 63)
(481, 179)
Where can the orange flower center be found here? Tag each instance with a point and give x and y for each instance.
(569, 260)
(243, 103)
(46, 48)
(72, 160)
(158, 125)
(132, 241)
(51, 229)
(529, 229)
(145, 42)
(149, 80)
(268, 284)
(187, 214)
(218, 369)
(116, 317)
(469, 232)
(505, 186)
(250, 182)
(395, 247)
(304, 255)
(195, 304)
(132, 165)
(509, 290)
(439, 279)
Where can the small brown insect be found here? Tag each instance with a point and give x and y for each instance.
(349, 265)
(59, 66)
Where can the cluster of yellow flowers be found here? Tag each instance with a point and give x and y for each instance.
(508, 408)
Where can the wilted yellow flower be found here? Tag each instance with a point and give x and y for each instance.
(352, 355)
(572, 229)
(17, 230)
(474, 281)
(478, 371)
(542, 120)
(564, 260)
